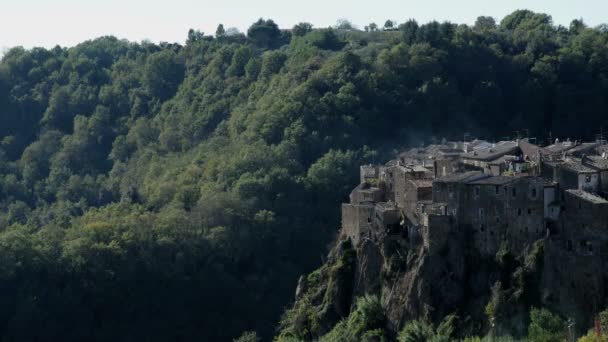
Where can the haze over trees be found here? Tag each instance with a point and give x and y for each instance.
(166, 192)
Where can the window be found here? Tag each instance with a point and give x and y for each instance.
(534, 193)
(506, 191)
(497, 190)
(369, 219)
(481, 228)
(476, 191)
(514, 191)
(527, 230)
(518, 211)
(529, 211)
(481, 213)
(588, 179)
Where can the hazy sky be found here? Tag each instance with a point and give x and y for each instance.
(66, 22)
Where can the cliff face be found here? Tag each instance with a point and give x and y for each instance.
(414, 283)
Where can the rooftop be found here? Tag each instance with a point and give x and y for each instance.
(491, 152)
(461, 177)
(597, 162)
(589, 197)
(577, 166)
(582, 147)
(495, 180)
(422, 183)
(559, 147)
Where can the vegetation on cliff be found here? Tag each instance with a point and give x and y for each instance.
(169, 192)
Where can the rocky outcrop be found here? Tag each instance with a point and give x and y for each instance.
(415, 284)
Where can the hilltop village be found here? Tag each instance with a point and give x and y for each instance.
(510, 191)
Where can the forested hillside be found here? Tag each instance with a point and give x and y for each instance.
(176, 193)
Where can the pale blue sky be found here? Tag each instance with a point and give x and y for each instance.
(67, 22)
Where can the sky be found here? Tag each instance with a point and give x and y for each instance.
(48, 23)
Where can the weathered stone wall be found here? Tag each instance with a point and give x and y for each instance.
(494, 213)
(357, 221)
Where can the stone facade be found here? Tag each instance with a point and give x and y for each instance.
(517, 193)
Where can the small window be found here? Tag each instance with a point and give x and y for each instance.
(481, 228)
(534, 193)
(506, 191)
(514, 191)
(529, 211)
(518, 211)
(527, 230)
(476, 191)
(588, 179)
(498, 190)
(369, 220)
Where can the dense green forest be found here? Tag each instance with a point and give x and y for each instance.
(167, 192)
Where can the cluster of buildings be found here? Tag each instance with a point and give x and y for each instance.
(509, 191)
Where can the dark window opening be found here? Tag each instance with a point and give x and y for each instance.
(497, 189)
(477, 191)
(518, 211)
(481, 228)
(587, 179)
(529, 211)
(533, 193)
(514, 192)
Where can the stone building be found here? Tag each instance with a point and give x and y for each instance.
(510, 192)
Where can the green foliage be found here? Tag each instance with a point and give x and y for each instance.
(545, 326)
(365, 323)
(418, 331)
(190, 186)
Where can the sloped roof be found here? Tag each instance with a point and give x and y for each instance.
(495, 180)
(461, 177)
(587, 196)
(492, 152)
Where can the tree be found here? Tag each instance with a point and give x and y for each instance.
(545, 326)
(388, 25)
(344, 24)
(194, 36)
(220, 32)
(483, 24)
(264, 33)
(373, 27)
(301, 29)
